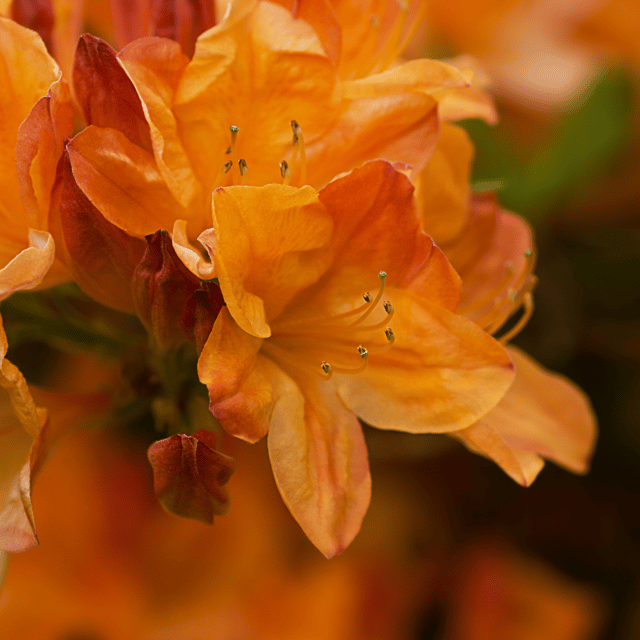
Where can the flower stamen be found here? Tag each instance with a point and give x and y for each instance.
(284, 172)
(299, 155)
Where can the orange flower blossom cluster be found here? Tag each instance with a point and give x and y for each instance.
(284, 204)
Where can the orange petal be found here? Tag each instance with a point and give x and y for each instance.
(190, 256)
(267, 58)
(188, 475)
(399, 128)
(270, 244)
(442, 187)
(30, 266)
(484, 439)
(377, 228)
(247, 414)
(227, 358)
(122, 181)
(543, 414)
(442, 374)
(106, 95)
(101, 257)
(319, 461)
(26, 73)
(422, 76)
(156, 66)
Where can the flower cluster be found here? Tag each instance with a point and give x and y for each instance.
(268, 213)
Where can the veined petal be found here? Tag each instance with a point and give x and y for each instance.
(543, 414)
(227, 358)
(320, 464)
(423, 76)
(271, 242)
(247, 414)
(106, 95)
(377, 228)
(122, 181)
(156, 65)
(399, 128)
(442, 374)
(30, 266)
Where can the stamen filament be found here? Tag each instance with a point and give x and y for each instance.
(372, 305)
(391, 46)
(528, 310)
(298, 151)
(234, 151)
(224, 169)
(366, 60)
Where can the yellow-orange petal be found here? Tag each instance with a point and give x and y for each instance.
(190, 256)
(227, 358)
(442, 188)
(399, 128)
(442, 374)
(422, 76)
(30, 266)
(545, 414)
(122, 181)
(319, 461)
(26, 73)
(484, 439)
(270, 244)
(247, 414)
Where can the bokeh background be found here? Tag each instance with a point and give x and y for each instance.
(452, 549)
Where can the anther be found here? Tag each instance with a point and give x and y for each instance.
(367, 296)
(362, 351)
(388, 332)
(326, 367)
(298, 151)
(228, 151)
(226, 167)
(528, 253)
(388, 307)
(284, 172)
(244, 170)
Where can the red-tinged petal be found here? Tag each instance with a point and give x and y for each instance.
(189, 475)
(227, 359)
(101, 257)
(156, 66)
(422, 76)
(36, 15)
(247, 414)
(319, 14)
(271, 242)
(442, 373)
(484, 439)
(377, 228)
(320, 463)
(442, 188)
(122, 181)
(26, 73)
(399, 128)
(545, 414)
(38, 149)
(182, 21)
(106, 94)
(30, 266)
(131, 20)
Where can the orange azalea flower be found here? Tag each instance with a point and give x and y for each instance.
(542, 414)
(296, 350)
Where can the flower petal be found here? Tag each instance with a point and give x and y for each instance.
(320, 464)
(122, 181)
(543, 414)
(227, 358)
(106, 95)
(442, 374)
(270, 243)
(377, 228)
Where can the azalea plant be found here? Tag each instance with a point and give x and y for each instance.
(266, 228)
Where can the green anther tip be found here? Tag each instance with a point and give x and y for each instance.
(234, 129)
(528, 253)
(382, 275)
